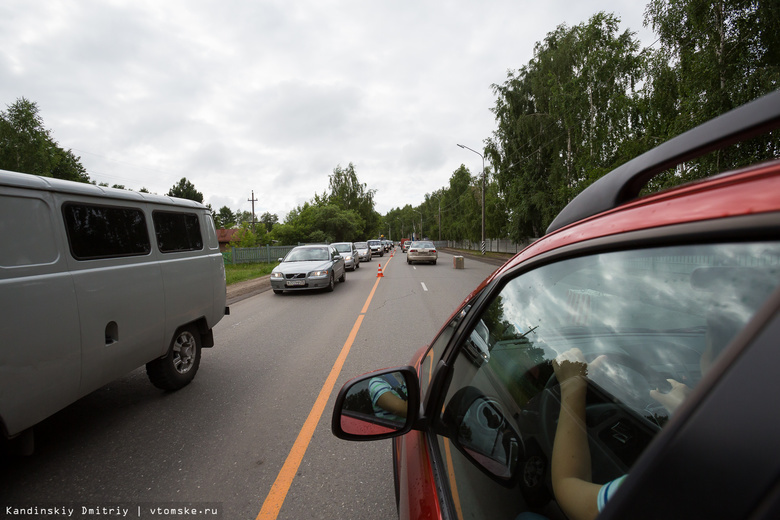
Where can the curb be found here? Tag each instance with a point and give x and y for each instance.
(243, 290)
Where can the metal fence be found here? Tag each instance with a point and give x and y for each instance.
(252, 255)
(270, 254)
(493, 245)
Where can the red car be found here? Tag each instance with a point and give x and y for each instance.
(625, 365)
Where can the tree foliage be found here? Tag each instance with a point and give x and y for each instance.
(225, 218)
(714, 56)
(247, 237)
(184, 189)
(26, 146)
(344, 214)
(564, 119)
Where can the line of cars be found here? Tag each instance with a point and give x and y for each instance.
(318, 266)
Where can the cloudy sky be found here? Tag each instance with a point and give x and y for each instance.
(271, 96)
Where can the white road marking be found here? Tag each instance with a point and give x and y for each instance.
(423, 286)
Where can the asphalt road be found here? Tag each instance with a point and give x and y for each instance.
(251, 434)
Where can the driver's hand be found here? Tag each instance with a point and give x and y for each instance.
(570, 365)
(674, 397)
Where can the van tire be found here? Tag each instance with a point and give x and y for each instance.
(180, 365)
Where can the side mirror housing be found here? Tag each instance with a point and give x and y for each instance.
(378, 405)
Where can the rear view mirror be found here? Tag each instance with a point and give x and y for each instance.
(378, 405)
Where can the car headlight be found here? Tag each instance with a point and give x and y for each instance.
(347, 258)
(318, 274)
(277, 276)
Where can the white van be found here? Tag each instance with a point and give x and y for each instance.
(94, 283)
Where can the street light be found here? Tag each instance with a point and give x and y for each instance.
(483, 194)
(421, 224)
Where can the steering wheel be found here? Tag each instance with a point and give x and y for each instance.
(616, 433)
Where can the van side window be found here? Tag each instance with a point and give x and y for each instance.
(177, 231)
(105, 231)
(26, 232)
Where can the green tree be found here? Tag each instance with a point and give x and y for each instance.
(225, 219)
(311, 223)
(714, 56)
(564, 119)
(269, 220)
(245, 216)
(348, 193)
(184, 189)
(244, 237)
(26, 146)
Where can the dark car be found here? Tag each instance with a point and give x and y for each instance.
(308, 267)
(625, 362)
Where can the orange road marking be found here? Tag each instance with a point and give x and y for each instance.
(281, 486)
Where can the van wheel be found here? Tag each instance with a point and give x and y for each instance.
(180, 365)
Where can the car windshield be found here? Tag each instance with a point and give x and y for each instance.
(343, 248)
(361, 245)
(308, 254)
(423, 245)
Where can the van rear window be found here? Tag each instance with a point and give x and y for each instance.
(105, 231)
(177, 231)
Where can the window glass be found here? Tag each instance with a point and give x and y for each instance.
(637, 319)
(26, 232)
(213, 242)
(105, 231)
(177, 231)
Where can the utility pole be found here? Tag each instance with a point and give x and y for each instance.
(253, 200)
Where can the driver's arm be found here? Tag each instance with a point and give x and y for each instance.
(393, 404)
(571, 467)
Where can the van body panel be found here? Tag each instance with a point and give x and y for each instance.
(128, 299)
(40, 353)
(70, 321)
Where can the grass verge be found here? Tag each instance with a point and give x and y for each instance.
(242, 272)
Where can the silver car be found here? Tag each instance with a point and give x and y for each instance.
(308, 267)
(422, 251)
(364, 252)
(350, 254)
(377, 249)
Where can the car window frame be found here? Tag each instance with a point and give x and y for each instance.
(743, 228)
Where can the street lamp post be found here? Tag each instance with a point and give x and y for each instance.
(421, 224)
(483, 194)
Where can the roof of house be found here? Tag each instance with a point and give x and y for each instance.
(224, 236)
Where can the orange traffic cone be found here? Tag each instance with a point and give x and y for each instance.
(379, 272)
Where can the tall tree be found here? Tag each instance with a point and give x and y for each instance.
(225, 218)
(564, 119)
(714, 56)
(184, 189)
(26, 146)
(348, 193)
(269, 220)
